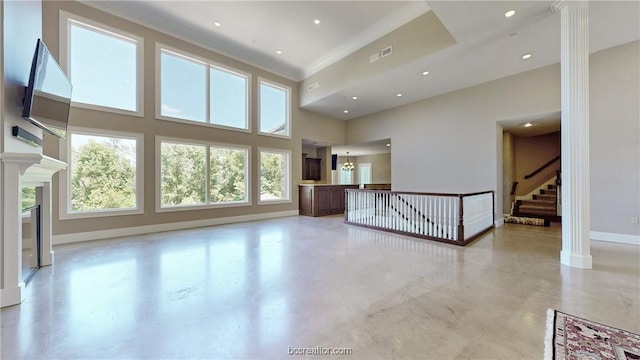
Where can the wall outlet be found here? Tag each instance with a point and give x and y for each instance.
(635, 220)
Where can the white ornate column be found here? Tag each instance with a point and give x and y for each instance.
(19, 169)
(574, 65)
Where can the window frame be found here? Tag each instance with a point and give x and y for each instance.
(65, 20)
(209, 64)
(287, 90)
(208, 204)
(65, 181)
(288, 177)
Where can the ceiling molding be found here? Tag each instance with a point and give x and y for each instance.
(390, 23)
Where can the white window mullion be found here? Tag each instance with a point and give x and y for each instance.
(207, 166)
(208, 98)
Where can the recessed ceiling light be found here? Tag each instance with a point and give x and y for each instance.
(528, 124)
(425, 73)
(279, 52)
(346, 111)
(354, 98)
(217, 24)
(526, 56)
(399, 94)
(316, 21)
(388, 144)
(509, 13)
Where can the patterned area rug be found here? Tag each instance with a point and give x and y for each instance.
(570, 337)
(526, 220)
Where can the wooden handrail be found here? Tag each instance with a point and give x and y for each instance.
(429, 218)
(420, 193)
(546, 165)
(513, 188)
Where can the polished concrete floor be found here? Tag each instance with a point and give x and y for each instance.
(252, 290)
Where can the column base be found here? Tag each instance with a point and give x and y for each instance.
(576, 260)
(47, 258)
(12, 296)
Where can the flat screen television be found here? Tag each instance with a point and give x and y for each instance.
(48, 94)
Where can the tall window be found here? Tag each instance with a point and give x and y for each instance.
(346, 177)
(202, 174)
(275, 102)
(183, 174)
(103, 173)
(364, 170)
(228, 98)
(183, 87)
(274, 175)
(104, 65)
(228, 174)
(195, 90)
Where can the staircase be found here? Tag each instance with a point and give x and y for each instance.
(543, 205)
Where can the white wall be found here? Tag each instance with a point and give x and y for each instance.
(450, 143)
(22, 26)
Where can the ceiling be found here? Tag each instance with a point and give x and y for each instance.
(487, 45)
(368, 148)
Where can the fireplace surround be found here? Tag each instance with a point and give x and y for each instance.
(20, 169)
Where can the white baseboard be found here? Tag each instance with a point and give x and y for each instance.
(499, 222)
(616, 238)
(147, 229)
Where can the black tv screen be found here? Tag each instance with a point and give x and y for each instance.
(48, 93)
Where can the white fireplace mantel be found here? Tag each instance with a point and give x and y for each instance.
(23, 169)
(34, 168)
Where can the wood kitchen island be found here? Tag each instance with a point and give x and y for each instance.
(322, 199)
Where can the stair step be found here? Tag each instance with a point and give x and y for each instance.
(533, 213)
(551, 187)
(538, 202)
(536, 208)
(547, 197)
(548, 192)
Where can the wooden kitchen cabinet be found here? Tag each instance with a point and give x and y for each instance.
(321, 200)
(312, 169)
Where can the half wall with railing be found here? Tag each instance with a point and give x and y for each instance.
(453, 218)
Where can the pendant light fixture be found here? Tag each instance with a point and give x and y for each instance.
(348, 165)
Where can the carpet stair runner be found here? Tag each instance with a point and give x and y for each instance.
(542, 205)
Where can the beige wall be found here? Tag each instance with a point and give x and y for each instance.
(380, 166)
(615, 139)
(448, 143)
(304, 124)
(508, 170)
(530, 154)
